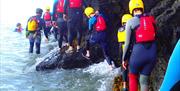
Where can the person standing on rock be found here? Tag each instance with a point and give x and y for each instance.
(121, 39)
(59, 23)
(74, 17)
(140, 32)
(33, 30)
(97, 29)
(47, 18)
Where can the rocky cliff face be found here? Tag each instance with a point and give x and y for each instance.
(167, 14)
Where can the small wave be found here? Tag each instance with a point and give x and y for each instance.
(51, 56)
(104, 73)
(101, 68)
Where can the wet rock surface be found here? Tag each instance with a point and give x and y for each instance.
(61, 59)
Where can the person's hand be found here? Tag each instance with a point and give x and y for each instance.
(96, 12)
(124, 64)
(54, 23)
(65, 17)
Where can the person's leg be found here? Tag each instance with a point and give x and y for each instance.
(79, 32)
(101, 39)
(31, 43)
(125, 72)
(60, 38)
(144, 82)
(90, 42)
(46, 31)
(71, 31)
(125, 80)
(38, 43)
(71, 36)
(136, 62)
(60, 32)
(88, 48)
(55, 31)
(133, 82)
(65, 32)
(105, 49)
(120, 50)
(38, 48)
(31, 47)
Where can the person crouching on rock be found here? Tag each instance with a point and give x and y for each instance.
(97, 29)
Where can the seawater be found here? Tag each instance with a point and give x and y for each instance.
(17, 68)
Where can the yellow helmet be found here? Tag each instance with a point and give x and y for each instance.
(47, 8)
(125, 18)
(133, 4)
(88, 11)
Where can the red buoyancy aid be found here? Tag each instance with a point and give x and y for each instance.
(60, 6)
(100, 23)
(75, 3)
(47, 16)
(146, 30)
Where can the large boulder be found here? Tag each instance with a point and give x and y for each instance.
(61, 59)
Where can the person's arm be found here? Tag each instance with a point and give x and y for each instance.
(127, 43)
(92, 21)
(54, 10)
(66, 3)
(84, 4)
(43, 27)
